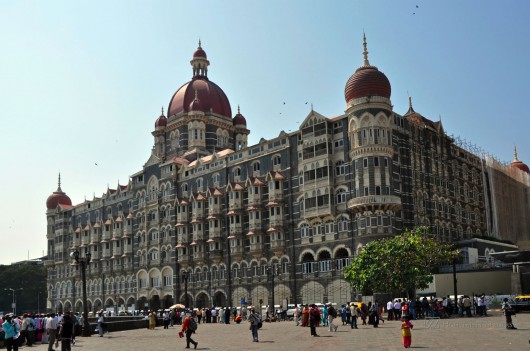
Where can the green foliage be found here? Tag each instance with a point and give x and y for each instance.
(28, 276)
(398, 264)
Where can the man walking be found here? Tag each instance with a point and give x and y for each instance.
(189, 326)
(51, 330)
(332, 313)
(314, 317)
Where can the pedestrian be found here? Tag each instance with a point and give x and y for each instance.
(390, 310)
(296, 314)
(332, 313)
(189, 326)
(305, 316)
(354, 314)
(27, 330)
(375, 314)
(12, 332)
(406, 327)
(227, 315)
(314, 316)
(66, 332)
(51, 330)
(101, 324)
(166, 319)
(255, 322)
(152, 320)
(508, 313)
(364, 312)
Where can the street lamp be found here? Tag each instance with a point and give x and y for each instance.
(84, 262)
(185, 276)
(272, 271)
(14, 304)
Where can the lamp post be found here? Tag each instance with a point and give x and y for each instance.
(38, 302)
(185, 276)
(84, 262)
(14, 304)
(272, 271)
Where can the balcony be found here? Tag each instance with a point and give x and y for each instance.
(374, 202)
(254, 200)
(278, 247)
(235, 229)
(276, 195)
(276, 221)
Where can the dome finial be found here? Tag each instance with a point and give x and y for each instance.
(59, 183)
(515, 159)
(238, 110)
(365, 52)
(162, 110)
(199, 42)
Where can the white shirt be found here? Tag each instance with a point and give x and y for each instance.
(389, 305)
(397, 305)
(51, 323)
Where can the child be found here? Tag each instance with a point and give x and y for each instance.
(406, 326)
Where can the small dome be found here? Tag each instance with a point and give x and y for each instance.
(195, 105)
(239, 119)
(161, 121)
(516, 163)
(199, 52)
(58, 197)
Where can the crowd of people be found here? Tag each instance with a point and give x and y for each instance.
(50, 329)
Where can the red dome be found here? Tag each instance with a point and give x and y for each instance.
(518, 164)
(239, 119)
(367, 81)
(161, 121)
(58, 197)
(199, 53)
(212, 98)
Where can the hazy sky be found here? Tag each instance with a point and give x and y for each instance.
(82, 82)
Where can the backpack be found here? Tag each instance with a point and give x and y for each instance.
(192, 325)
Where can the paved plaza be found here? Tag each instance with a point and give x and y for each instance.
(451, 334)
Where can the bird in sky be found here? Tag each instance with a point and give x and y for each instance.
(95, 163)
(284, 102)
(306, 102)
(417, 7)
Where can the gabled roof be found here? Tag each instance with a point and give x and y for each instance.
(274, 175)
(312, 116)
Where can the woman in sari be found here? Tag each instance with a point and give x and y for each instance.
(305, 316)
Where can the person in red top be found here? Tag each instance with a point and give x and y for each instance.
(186, 328)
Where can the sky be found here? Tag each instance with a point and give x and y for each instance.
(82, 82)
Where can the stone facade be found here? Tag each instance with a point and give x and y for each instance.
(221, 221)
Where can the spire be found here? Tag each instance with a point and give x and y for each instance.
(238, 110)
(411, 110)
(59, 183)
(365, 52)
(199, 42)
(515, 159)
(162, 111)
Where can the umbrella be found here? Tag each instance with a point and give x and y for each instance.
(178, 305)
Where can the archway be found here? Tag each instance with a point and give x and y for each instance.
(67, 306)
(202, 300)
(131, 305)
(143, 305)
(59, 307)
(79, 306)
(168, 301)
(154, 303)
(219, 299)
(98, 305)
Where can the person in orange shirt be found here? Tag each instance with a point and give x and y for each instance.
(189, 327)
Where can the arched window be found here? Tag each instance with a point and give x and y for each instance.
(276, 160)
(341, 196)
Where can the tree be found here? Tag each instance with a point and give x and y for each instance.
(29, 276)
(402, 263)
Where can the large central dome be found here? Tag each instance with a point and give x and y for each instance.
(212, 97)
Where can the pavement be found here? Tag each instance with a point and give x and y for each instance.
(468, 334)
